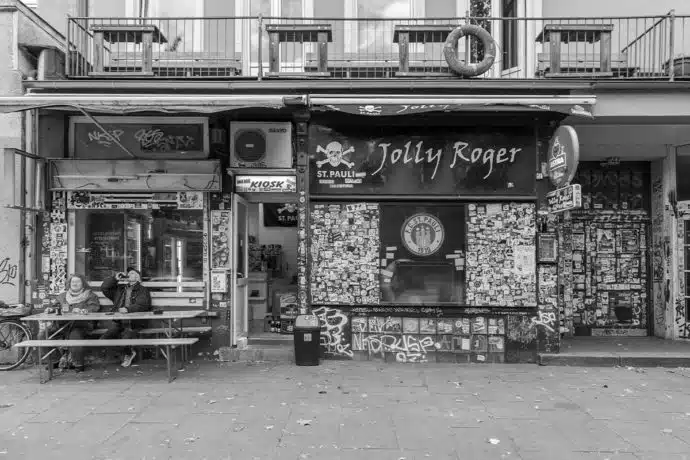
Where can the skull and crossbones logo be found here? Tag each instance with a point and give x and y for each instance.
(335, 155)
(289, 207)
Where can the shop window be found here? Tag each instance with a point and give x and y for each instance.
(623, 187)
(166, 246)
(421, 247)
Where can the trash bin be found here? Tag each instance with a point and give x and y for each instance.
(307, 336)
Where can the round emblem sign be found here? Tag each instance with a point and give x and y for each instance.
(563, 156)
(423, 234)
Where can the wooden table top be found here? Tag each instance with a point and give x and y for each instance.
(103, 316)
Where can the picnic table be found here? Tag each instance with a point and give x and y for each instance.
(171, 325)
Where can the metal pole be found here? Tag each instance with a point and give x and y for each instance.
(67, 46)
(671, 44)
(260, 53)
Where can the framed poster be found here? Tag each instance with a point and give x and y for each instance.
(547, 248)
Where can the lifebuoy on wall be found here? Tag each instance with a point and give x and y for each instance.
(450, 51)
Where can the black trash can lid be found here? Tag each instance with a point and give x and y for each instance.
(306, 321)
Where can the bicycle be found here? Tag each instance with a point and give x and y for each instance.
(12, 331)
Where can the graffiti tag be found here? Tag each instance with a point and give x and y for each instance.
(105, 138)
(154, 139)
(8, 272)
(333, 333)
(407, 348)
(546, 319)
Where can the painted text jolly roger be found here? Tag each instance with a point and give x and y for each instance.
(460, 153)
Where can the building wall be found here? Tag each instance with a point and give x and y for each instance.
(612, 8)
(55, 12)
(10, 137)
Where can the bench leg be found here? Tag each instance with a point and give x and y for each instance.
(170, 357)
(42, 371)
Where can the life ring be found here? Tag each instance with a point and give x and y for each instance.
(450, 50)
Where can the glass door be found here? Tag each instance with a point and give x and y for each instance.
(240, 268)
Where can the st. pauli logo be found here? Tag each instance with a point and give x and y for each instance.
(563, 156)
(335, 155)
(423, 234)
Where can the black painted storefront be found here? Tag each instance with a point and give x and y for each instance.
(422, 238)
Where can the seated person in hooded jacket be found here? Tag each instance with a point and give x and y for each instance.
(130, 296)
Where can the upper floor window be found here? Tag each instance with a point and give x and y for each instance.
(509, 34)
(180, 21)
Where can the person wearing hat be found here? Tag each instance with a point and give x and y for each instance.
(128, 296)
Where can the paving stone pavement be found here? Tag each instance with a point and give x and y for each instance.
(348, 410)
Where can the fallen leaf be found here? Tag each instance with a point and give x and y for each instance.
(304, 422)
(494, 441)
(212, 401)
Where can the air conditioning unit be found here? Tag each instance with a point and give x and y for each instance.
(260, 145)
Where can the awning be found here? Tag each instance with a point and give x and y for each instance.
(414, 104)
(127, 104)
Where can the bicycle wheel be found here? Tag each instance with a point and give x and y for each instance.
(12, 333)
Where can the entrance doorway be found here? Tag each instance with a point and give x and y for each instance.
(266, 297)
(611, 278)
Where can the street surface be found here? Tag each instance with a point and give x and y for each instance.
(348, 410)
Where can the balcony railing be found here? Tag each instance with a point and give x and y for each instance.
(651, 47)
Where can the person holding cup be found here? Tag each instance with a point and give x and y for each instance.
(80, 299)
(128, 296)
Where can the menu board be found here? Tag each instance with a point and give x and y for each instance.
(501, 260)
(344, 254)
(106, 238)
(435, 161)
(146, 139)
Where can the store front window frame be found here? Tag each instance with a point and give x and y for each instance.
(186, 293)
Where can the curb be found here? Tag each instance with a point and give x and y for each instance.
(611, 360)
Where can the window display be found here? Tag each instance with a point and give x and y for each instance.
(165, 244)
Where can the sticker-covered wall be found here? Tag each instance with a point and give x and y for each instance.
(344, 254)
(501, 264)
(58, 243)
(409, 334)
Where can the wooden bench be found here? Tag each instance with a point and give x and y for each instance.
(585, 65)
(380, 65)
(166, 347)
(403, 35)
(161, 331)
(322, 34)
(556, 34)
(144, 34)
(180, 64)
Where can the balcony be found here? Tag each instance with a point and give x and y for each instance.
(654, 47)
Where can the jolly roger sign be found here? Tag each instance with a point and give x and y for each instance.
(468, 161)
(280, 214)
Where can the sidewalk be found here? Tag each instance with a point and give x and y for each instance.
(348, 410)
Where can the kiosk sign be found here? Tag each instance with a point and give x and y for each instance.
(563, 156)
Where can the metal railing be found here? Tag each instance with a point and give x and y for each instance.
(641, 47)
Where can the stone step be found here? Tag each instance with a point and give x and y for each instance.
(272, 340)
(266, 353)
